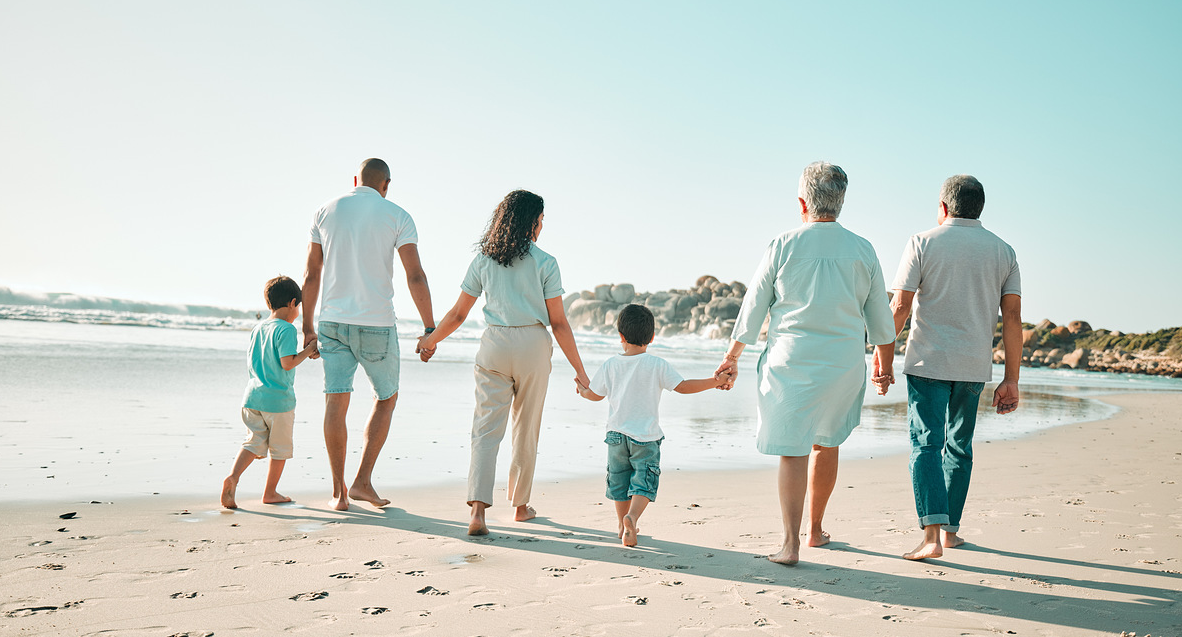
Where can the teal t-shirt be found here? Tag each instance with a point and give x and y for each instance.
(270, 387)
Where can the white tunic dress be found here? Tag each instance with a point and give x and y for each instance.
(823, 287)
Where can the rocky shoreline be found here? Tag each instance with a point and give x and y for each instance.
(709, 308)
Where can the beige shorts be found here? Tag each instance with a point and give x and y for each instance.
(269, 432)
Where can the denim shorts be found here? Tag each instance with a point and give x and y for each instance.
(343, 346)
(633, 468)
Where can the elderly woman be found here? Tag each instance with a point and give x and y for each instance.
(823, 287)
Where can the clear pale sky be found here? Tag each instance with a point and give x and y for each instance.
(176, 152)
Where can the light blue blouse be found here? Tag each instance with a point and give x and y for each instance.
(515, 295)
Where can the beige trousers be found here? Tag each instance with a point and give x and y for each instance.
(512, 373)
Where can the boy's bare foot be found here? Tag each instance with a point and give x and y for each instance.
(229, 485)
(477, 525)
(525, 512)
(951, 540)
(924, 551)
(789, 555)
(817, 539)
(629, 536)
(275, 498)
(365, 493)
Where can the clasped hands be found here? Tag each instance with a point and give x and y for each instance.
(425, 348)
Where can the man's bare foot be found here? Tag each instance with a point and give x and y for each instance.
(817, 539)
(340, 501)
(951, 540)
(788, 556)
(229, 485)
(525, 512)
(477, 525)
(924, 551)
(629, 536)
(365, 493)
(275, 498)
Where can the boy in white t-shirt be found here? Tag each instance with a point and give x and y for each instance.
(632, 383)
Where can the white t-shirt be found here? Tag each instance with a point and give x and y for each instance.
(360, 232)
(632, 385)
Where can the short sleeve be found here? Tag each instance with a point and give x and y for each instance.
(670, 379)
(286, 340)
(599, 382)
(407, 232)
(552, 280)
(1013, 283)
(314, 233)
(909, 274)
(472, 286)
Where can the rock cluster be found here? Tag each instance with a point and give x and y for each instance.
(1077, 346)
(708, 308)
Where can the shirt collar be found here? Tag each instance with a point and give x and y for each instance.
(363, 190)
(957, 221)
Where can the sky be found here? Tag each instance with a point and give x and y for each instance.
(176, 152)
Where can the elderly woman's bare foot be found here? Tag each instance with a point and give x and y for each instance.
(924, 551)
(525, 512)
(951, 540)
(229, 485)
(629, 536)
(817, 539)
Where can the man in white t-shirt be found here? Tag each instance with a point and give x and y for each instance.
(632, 382)
(351, 272)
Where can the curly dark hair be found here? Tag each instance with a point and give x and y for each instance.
(510, 231)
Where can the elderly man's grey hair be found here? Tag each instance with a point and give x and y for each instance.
(822, 186)
(964, 196)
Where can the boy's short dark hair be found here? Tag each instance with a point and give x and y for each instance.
(636, 324)
(280, 291)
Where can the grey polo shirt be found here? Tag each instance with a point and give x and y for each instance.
(959, 271)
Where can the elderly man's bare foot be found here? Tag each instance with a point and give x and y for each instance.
(229, 485)
(629, 536)
(525, 512)
(366, 493)
(817, 539)
(788, 556)
(951, 540)
(275, 498)
(924, 551)
(477, 525)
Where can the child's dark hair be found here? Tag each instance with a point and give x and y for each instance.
(280, 291)
(636, 324)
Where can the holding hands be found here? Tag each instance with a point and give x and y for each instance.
(883, 373)
(426, 347)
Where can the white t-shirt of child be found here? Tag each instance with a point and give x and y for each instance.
(360, 234)
(632, 385)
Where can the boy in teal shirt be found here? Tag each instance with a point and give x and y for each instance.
(268, 407)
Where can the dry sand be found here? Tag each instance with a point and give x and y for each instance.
(1074, 531)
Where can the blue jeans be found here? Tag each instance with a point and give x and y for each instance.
(942, 415)
(633, 468)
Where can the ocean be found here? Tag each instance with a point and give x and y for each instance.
(98, 404)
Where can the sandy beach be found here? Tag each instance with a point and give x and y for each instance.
(1076, 530)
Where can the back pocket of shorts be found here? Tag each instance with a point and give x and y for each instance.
(614, 438)
(375, 344)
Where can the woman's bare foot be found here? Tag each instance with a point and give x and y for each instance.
(951, 540)
(525, 512)
(229, 485)
(366, 493)
(275, 498)
(924, 551)
(629, 536)
(477, 525)
(789, 555)
(340, 501)
(817, 539)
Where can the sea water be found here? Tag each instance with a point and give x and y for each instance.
(93, 408)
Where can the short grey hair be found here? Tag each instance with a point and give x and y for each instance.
(822, 186)
(964, 196)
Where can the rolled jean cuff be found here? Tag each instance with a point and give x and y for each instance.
(651, 495)
(950, 528)
(935, 518)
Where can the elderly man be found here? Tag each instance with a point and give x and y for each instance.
(958, 274)
(351, 270)
(822, 286)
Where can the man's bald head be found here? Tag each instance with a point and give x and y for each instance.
(374, 173)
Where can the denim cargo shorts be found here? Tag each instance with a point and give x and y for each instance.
(343, 346)
(633, 468)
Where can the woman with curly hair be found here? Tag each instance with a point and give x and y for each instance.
(522, 295)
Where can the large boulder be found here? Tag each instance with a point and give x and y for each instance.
(723, 308)
(623, 293)
(706, 280)
(1045, 324)
(1077, 359)
(1029, 338)
(1079, 327)
(569, 299)
(584, 313)
(738, 288)
(603, 292)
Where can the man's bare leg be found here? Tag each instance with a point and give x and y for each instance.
(635, 508)
(929, 547)
(336, 441)
(792, 482)
(822, 479)
(951, 540)
(230, 484)
(274, 472)
(477, 526)
(376, 431)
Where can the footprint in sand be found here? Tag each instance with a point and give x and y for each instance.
(189, 595)
(281, 562)
(415, 573)
(204, 633)
(670, 582)
(51, 567)
(344, 575)
(676, 567)
(936, 573)
(639, 601)
(430, 590)
(374, 610)
(528, 539)
(32, 610)
(40, 542)
(557, 571)
(309, 597)
(488, 606)
(374, 564)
